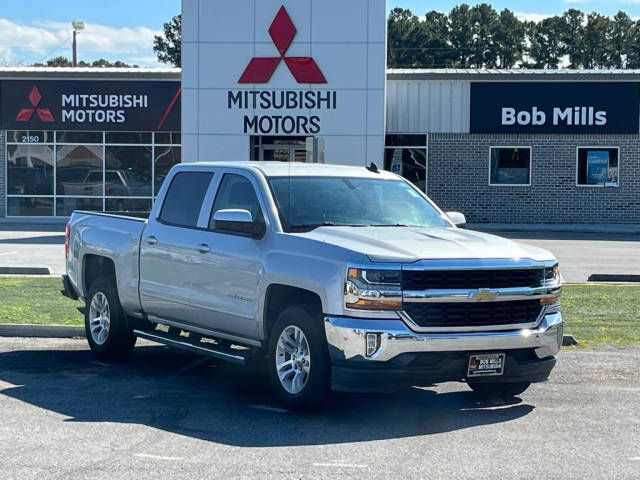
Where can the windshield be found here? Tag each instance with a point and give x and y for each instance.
(305, 203)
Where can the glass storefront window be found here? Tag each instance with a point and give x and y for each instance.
(408, 140)
(168, 138)
(29, 170)
(79, 137)
(166, 157)
(128, 205)
(79, 170)
(128, 137)
(598, 166)
(411, 163)
(66, 205)
(30, 206)
(510, 166)
(128, 171)
(54, 173)
(29, 136)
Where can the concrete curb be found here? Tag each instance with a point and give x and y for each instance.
(619, 278)
(25, 271)
(628, 229)
(41, 331)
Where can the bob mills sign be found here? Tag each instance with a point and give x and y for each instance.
(555, 107)
(284, 68)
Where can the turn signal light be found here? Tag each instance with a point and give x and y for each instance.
(550, 300)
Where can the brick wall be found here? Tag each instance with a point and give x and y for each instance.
(459, 180)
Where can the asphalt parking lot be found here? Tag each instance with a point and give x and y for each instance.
(580, 254)
(167, 414)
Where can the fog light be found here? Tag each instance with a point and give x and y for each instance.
(372, 343)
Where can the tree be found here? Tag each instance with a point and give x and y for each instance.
(509, 38)
(595, 53)
(168, 46)
(437, 52)
(485, 27)
(404, 38)
(621, 38)
(547, 48)
(62, 61)
(461, 35)
(573, 36)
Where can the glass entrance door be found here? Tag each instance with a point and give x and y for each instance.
(279, 149)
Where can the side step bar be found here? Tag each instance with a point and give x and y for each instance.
(199, 348)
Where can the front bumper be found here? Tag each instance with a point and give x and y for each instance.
(398, 356)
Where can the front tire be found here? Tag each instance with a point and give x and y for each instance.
(298, 358)
(499, 390)
(108, 331)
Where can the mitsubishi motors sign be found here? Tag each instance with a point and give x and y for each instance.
(261, 69)
(90, 105)
(265, 69)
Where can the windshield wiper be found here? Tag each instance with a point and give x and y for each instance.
(307, 227)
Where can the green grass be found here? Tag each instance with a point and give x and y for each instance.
(36, 300)
(594, 314)
(597, 314)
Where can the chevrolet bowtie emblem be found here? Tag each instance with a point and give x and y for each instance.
(483, 295)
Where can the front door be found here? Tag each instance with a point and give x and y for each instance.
(226, 275)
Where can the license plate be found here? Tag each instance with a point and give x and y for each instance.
(486, 365)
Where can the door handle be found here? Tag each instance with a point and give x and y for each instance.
(151, 240)
(204, 248)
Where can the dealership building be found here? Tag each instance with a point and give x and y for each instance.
(289, 81)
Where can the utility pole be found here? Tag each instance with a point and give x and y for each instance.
(78, 26)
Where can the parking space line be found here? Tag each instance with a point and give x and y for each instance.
(269, 409)
(637, 459)
(340, 465)
(156, 457)
(7, 253)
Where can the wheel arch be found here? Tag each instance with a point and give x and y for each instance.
(94, 267)
(280, 296)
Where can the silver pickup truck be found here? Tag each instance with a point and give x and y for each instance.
(331, 277)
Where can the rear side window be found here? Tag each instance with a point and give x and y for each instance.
(184, 198)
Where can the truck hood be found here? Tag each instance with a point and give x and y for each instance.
(409, 244)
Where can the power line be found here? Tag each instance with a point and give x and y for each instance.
(54, 50)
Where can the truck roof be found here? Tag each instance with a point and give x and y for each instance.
(294, 169)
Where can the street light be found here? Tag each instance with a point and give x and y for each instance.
(78, 26)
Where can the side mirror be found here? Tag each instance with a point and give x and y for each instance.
(239, 222)
(458, 219)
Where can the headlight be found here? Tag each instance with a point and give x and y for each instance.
(373, 289)
(552, 276)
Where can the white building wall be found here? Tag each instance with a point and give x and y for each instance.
(347, 40)
(419, 106)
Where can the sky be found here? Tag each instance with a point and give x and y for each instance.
(36, 30)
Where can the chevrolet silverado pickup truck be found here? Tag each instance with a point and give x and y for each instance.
(330, 277)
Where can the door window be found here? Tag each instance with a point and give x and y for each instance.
(236, 192)
(184, 198)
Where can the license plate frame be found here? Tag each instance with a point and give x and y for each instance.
(486, 365)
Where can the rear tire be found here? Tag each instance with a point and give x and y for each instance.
(298, 358)
(499, 390)
(107, 327)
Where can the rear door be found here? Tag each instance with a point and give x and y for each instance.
(168, 247)
(227, 273)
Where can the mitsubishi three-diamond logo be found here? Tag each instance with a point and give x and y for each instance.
(25, 114)
(282, 32)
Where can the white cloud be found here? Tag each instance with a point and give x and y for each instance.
(531, 16)
(31, 43)
(600, 1)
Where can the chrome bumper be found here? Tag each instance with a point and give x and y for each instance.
(347, 338)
